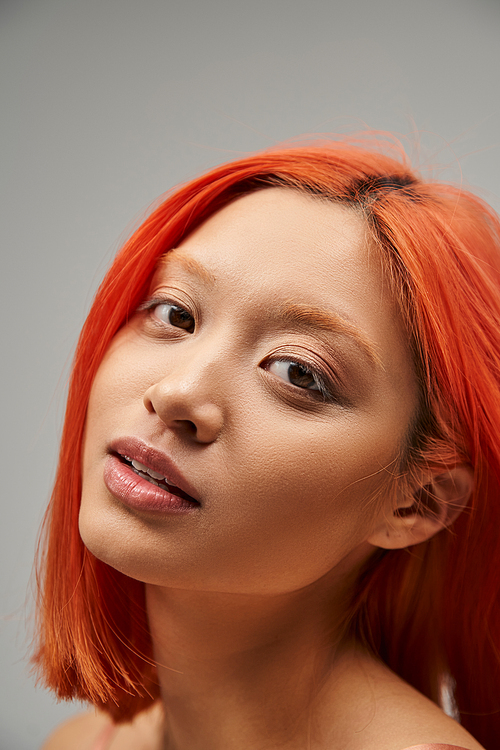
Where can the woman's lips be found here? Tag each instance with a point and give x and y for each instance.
(136, 491)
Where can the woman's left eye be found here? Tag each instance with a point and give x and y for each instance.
(295, 374)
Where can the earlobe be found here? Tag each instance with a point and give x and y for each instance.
(436, 503)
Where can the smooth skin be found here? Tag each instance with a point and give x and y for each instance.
(271, 365)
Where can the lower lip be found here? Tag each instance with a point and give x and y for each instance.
(139, 494)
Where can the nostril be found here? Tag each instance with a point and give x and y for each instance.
(148, 404)
(191, 427)
(185, 425)
(191, 412)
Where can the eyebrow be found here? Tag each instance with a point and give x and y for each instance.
(189, 264)
(308, 316)
(297, 315)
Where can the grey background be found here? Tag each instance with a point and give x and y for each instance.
(105, 104)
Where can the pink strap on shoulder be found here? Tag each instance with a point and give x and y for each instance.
(105, 737)
(435, 746)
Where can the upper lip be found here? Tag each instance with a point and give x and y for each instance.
(138, 450)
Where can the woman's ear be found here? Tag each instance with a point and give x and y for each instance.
(435, 504)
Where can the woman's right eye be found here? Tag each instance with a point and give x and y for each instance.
(174, 315)
(296, 374)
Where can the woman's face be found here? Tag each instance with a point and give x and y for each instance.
(269, 377)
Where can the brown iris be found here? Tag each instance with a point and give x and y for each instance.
(180, 318)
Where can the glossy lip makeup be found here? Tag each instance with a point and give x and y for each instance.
(145, 479)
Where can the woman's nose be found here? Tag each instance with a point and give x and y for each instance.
(187, 400)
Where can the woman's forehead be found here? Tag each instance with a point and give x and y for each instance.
(287, 245)
(278, 250)
(285, 220)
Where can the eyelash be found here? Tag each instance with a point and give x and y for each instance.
(324, 392)
(327, 391)
(152, 304)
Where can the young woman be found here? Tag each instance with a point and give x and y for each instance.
(275, 519)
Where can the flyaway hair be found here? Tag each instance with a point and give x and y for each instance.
(431, 612)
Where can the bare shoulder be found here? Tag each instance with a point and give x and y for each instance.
(80, 732)
(419, 720)
(390, 714)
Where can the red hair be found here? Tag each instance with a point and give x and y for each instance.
(431, 612)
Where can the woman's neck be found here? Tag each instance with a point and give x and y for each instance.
(242, 670)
